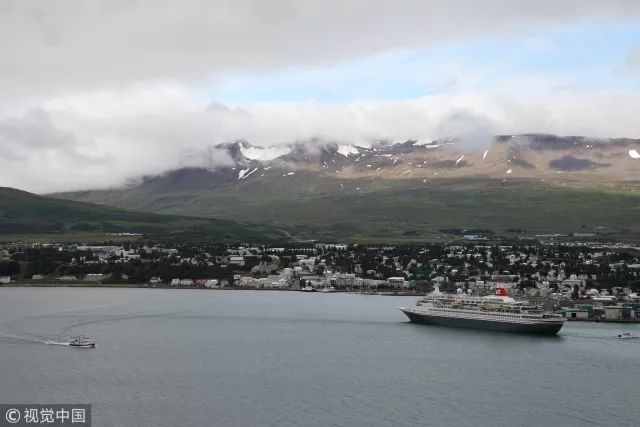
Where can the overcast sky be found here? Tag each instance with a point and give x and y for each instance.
(96, 92)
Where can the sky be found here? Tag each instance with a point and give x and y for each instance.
(95, 93)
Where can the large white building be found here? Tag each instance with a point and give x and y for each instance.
(397, 282)
(236, 260)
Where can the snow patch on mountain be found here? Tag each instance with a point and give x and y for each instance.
(347, 150)
(424, 142)
(244, 173)
(363, 144)
(264, 153)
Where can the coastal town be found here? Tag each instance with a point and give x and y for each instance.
(588, 280)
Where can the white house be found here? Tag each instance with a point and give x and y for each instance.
(211, 283)
(397, 282)
(236, 260)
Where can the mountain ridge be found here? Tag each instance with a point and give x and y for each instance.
(22, 212)
(328, 190)
(526, 156)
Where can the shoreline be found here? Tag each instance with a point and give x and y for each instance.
(226, 288)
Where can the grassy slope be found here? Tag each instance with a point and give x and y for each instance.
(380, 209)
(23, 213)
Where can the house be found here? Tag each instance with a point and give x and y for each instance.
(313, 281)
(211, 283)
(327, 246)
(572, 281)
(372, 283)
(5, 280)
(345, 280)
(94, 277)
(613, 312)
(308, 263)
(236, 260)
(576, 314)
(504, 278)
(397, 282)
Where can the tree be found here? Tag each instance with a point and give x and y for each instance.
(9, 268)
(575, 294)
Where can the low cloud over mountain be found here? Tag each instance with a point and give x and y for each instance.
(97, 93)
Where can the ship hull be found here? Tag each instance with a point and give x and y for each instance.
(541, 328)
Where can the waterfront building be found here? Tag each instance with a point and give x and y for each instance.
(397, 282)
(613, 312)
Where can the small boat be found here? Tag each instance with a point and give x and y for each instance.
(627, 336)
(82, 341)
(308, 289)
(329, 289)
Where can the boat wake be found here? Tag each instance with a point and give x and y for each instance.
(17, 339)
(28, 340)
(55, 343)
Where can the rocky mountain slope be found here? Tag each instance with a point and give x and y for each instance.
(536, 183)
(530, 156)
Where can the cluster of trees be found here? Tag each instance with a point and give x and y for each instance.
(9, 268)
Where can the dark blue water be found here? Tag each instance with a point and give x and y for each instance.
(243, 358)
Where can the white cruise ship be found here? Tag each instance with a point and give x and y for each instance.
(494, 312)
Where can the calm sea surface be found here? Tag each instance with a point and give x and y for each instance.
(244, 358)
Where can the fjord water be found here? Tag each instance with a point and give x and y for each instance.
(245, 358)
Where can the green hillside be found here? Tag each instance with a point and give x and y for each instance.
(318, 206)
(23, 213)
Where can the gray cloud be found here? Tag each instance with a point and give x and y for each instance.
(36, 153)
(209, 158)
(94, 93)
(471, 130)
(21, 136)
(69, 146)
(77, 45)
